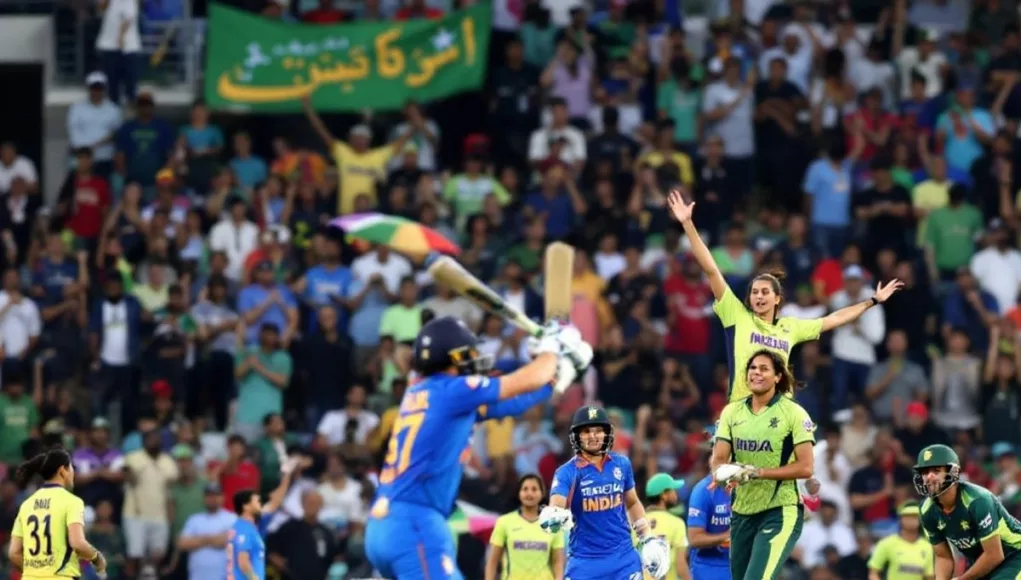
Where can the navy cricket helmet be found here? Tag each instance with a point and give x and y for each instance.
(589, 416)
(447, 342)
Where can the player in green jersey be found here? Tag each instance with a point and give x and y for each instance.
(772, 437)
(966, 516)
(756, 323)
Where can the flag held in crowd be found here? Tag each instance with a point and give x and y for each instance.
(261, 65)
(401, 234)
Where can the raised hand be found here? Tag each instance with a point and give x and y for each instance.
(884, 291)
(681, 209)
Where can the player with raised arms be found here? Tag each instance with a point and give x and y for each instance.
(764, 445)
(967, 516)
(593, 496)
(756, 323)
(905, 555)
(48, 537)
(709, 530)
(407, 536)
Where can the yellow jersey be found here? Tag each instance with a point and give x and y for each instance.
(903, 560)
(527, 549)
(42, 524)
(358, 173)
(673, 530)
(747, 334)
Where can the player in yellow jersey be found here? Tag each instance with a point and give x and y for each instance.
(519, 548)
(756, 324)
(48, 537)
(907, 555)
(661, 495)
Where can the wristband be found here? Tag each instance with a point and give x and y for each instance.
(96, 557)
(875, 302)
(640, 526)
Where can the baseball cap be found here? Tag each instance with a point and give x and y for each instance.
(362, 130)
(1002, 449)
(182, 451)
(95, 78)
(100, 423)
(165, 176)
(909, 508)
(213, 488)
(161, 389)
(853, 272)
(660, 483)
(917, 409)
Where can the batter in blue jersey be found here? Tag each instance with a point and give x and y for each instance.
(709, 531)
(593, 495)
(246, 550)
(407, 536)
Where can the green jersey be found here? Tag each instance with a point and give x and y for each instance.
(977, 516)
(766, 439)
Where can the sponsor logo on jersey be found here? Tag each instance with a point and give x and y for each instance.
(599, 498)
(753, 445)
(528, 545)
(770, 342)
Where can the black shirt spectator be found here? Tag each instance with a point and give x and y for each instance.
(885, 209)
(304, 548)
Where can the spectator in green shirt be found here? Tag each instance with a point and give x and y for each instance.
(263, 372)
(271, 450)
(950, 235)
(187, 492)
(19, 419)
(403, 320)
(466, 192)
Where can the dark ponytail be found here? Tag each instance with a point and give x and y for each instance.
(45, 465)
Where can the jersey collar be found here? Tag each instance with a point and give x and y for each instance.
(582, 462)
(51, 485)
(773, 401)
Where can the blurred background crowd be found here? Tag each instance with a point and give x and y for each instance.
(185, 317)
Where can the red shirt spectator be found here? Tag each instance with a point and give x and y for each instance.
(85, 198)
(828, 278)
(325, 13)
(416, 9)
(235, 474)
(688, 300)
(875, 124)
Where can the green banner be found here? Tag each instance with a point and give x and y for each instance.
(260, 65)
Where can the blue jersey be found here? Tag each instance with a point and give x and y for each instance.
(709, 509)
(245, 536)
(433, 428)
(595, 497)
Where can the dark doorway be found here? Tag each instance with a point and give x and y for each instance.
(21, 111)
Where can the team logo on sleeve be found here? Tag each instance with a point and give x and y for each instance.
(986, 521)
(693, 512)
(475, 382)
(617, 473)
(808, 425)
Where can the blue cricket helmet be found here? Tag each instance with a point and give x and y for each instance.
(447, 342)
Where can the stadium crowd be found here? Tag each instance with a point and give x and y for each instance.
(185, 318)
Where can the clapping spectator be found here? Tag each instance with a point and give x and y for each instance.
(263, 372)
(1001, 395)
(893, 383)
(205, 536)
(148, 473)
(236, 236)
(823, 532)
(343, 498)
(350, 425)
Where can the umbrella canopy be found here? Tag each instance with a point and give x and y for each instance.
(471, 519)
(399, 233)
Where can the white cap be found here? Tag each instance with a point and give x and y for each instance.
(95, 78)
(853, 271)
(361, 129)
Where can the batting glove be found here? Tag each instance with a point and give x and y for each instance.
(554, 520)
(566, 375)
(655, 556)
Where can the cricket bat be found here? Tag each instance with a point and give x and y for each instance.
(447, 271)
(558, 271)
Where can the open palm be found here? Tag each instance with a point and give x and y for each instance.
(681, 209)
(884, 291)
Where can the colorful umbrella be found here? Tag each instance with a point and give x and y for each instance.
(399, 233)
(471, 519)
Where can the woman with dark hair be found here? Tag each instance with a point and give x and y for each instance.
(763, 447)
(519, 546)
(48, 538)
(756, 323)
